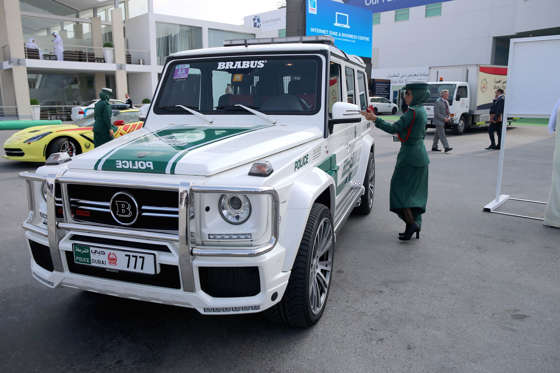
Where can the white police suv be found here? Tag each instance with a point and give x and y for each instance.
(228, 200)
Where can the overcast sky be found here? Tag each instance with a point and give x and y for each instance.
(227, 11)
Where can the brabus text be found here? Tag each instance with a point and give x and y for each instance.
(241, 65)
(134, 165)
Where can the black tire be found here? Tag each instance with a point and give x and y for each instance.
(366, 201)
(460, 127)
(296, 308)
(375, 111)
(62, 143)
(394, 111)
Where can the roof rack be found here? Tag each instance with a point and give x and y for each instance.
(316, 39)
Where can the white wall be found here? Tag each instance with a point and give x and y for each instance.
(138, 36)
(462, 35)
(140, 87)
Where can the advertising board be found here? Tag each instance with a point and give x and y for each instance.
(376, 6)
(351, 27)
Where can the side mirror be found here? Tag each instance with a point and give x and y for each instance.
(343, 112)
(119, 123)
(458, 98)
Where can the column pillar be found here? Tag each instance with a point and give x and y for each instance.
(120, 51)
(15, 87)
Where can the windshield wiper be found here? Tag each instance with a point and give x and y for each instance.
(194, 112)
(259, 114)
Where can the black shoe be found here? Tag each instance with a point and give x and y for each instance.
(497, 147)
(410, 230)
(448, 149)
(436, 150)
(402, 233)
(491, 147)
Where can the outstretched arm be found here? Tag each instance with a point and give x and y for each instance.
(398, 126)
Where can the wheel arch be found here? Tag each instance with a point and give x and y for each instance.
(72, 138)
(315, 187)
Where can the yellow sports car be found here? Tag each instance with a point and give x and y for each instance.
(35, 144)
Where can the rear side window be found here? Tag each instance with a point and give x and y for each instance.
(362, 90)
(350, 91)
(335, 85)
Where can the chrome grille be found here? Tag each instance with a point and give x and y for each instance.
(157, 209)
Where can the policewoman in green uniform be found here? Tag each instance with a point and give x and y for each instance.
(102, 129)
(409, 184)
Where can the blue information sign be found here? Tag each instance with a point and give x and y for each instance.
(376, 6)
(350, 26)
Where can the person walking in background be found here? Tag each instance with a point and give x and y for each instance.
(496, 114)
(441, 117)
(128, 101)
(58, 46)
(409, 184)
(552, 212)
(102, 129)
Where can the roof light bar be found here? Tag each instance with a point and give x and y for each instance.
(317, 39)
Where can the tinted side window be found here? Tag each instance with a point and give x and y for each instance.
(362, 90)
(335, 85)
(350, 85)
(462, 92)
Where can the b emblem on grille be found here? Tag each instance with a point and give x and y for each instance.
(124, 208)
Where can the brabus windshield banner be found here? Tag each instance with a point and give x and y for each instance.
(376, 6)
(349, 26)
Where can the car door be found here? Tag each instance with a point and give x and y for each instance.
(462, 99)
(339, 141)
(348, 168)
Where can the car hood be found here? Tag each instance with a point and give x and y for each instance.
(21, 136)
(200, 151)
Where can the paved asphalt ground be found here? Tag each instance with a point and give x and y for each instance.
(477, 293)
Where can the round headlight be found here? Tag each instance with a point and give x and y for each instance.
(235, 208)
(44, 190)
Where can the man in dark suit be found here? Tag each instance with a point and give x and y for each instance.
(496, 119)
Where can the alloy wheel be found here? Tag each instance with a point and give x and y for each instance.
(321, 265)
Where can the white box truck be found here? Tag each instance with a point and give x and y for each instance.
(471, 91)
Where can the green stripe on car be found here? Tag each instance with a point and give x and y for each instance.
(160, 152)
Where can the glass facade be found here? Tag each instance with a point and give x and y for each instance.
(216, 38)
(53, 89)
(402, 15)
(433, 10)
(376, 18)
(171, 38)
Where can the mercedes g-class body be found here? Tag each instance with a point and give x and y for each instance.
(228, 200)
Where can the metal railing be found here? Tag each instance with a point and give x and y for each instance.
(79, 53)
(8, 113)
(53, 112)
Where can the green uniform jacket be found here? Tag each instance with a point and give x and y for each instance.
(409, 184)
(102, 114)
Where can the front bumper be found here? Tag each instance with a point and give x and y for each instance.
(24, 152)
(186, 276)
(272, 280)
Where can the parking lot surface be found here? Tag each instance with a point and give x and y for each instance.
(478, 292)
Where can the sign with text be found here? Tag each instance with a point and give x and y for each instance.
(350, 27)
(377, 6)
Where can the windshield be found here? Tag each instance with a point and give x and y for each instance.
(269, 84)
(126, 116)
(435, 90)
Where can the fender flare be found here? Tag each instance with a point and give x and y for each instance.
(301, 197)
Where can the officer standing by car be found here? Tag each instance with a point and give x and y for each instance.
(102, 128)
(496, 114)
